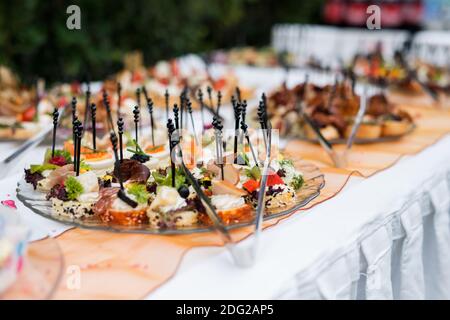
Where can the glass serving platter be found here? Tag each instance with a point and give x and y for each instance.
(363, 140)
(314, 181)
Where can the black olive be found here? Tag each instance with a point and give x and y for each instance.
(142, 158)
(183, 191)
(281, 173)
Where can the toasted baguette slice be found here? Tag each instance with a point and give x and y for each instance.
(235, 215)
(71, 209)
(393, 128)
(365, 131)
(329, 132)
(125, 218)
(185, 218)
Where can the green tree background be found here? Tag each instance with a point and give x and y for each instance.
(34, 40)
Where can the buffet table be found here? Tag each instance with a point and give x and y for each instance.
(382, 233)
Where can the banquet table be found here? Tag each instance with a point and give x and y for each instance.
(384, 235)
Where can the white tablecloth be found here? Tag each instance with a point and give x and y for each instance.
(382, 238)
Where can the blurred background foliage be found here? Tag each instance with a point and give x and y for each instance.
(34, 39)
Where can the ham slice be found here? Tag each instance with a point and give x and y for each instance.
(226, 187)
(58, 176)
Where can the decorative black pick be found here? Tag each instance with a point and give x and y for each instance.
(79, 135)
(55, 125)
(136, 113)
(150, 111)
(189, 109)
(262, 120)
(74, 108)
(217, 124)
(86, 109)
(237, 115)
(94, 126)
(202, 106)
(182, 105)
(138, 97)
(108, 110)
(144, 91)
(219, 101)
(175, 114)
(120, 125)
(243, 110)
(166, 97)
(113, 138)
(238, 94)
(117, 170)
(74, 114)
(172, 144)
(244, 129)
(209, 90)
(119, 99)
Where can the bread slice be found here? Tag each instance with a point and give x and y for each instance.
(72, 209)
(235, 215)
(179, 218)
(393, 128)
(329, 132)
(366, 131)
(130, 217)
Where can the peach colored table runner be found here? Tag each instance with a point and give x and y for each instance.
(130, 266)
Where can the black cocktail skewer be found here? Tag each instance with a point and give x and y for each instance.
(108, 110)
(116, 158)
(238, 94)
(55, 125)
(200, 99)
(243, 119)
(75, 143)
(211, 104)
(189, 109)
(74, 108)
(118, 172)
(262, 121)
(182, 106)
(79, 135)
(244, 128)
(166, 97)
(175, 114)
(172, 143)
(136, 113)
(94, 126)
(74, 113)
(219, 101)
(237, 114)
(217, 124)
(138, 97)
(120, 125)
(119, 99)
(88, 99)
(152, 127)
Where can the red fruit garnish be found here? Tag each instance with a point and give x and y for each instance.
(220, 84)
(58, 161)
(174, 68)
(274, 179)
(75, 87)
(62, 102)
(137, 77)
(28, 115)
(164, 81)
(251, 185)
